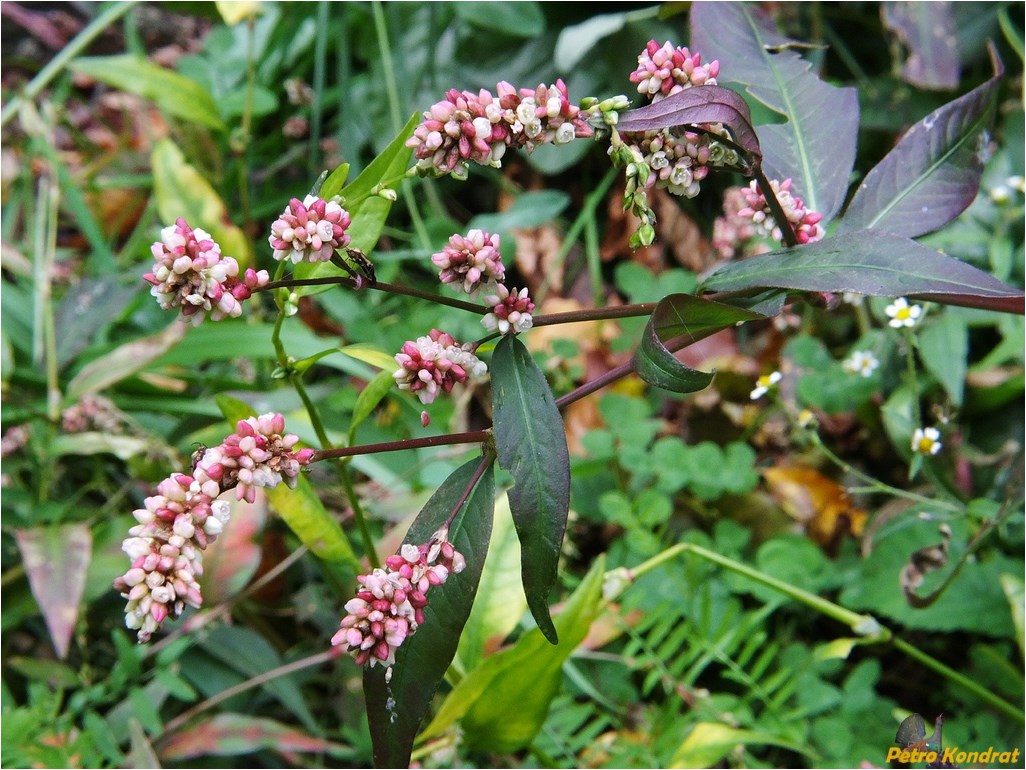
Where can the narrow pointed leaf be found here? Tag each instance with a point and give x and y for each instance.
(173, 93)
(678, 321)
(503, 702)
(873, 263)
(395, 708)
(302, 510)
(531, 443)
(367, 211)
(56, 560)
(702, 104)
(125, 360)
(815, 146)
(933, 173)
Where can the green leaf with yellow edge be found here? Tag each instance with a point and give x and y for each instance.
(301, 509)
(502, 703)
(174, 94)
(367, 211)
(238, 10)
(182, 191)
(363, 351)
(710, 742)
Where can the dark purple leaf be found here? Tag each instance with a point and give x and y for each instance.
(933, 173)
(694, 106)
(928, 32)
(531, 442)
(396, 708)
(678, 321)
(874, 263)
(815, 147)
(56, 560)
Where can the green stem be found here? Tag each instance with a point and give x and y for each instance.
(864, 625)
(385, 51)
(587, 213)
(910, 375)
(961, 680)
(94, 29)
(875, 485)
(319, 65)
(347, 482)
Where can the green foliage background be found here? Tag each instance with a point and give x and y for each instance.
(693, 664)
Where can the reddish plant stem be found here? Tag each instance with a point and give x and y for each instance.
(471, 437)
(486, 462)
(774, 205)
(391, 288)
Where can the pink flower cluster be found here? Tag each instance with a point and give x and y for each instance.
(389, 603)
(804, 223)
(191, 273)
(434, 364)
(665, 70)
(470, 260)
(480, 127)
(185, 516)
(309, 230)
(510, 311)
(674, 159)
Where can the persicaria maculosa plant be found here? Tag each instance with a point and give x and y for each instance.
(405, 616)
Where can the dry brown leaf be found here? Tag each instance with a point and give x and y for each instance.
(822, 506)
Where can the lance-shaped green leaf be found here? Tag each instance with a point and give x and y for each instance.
(396, 707)
(815, 146)
(874, 263)
(933, 173)
(173, 93)
(367, 210)
(303, 511)
(693, 106)
(678, 321)
(125, 360)
(503, 702)
(531, 443)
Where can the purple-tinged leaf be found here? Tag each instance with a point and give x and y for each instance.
(873, 263)
(227, 735)
(395, 708)
(56, 560)
(815, 147)
(695, 106)
(678, 321)
(928, 32)
(933, 173)
(531, 443)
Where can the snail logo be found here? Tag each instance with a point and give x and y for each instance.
(915, 746)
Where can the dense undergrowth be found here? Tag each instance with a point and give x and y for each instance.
(803, 578)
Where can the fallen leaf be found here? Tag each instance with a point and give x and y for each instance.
(822, 506)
